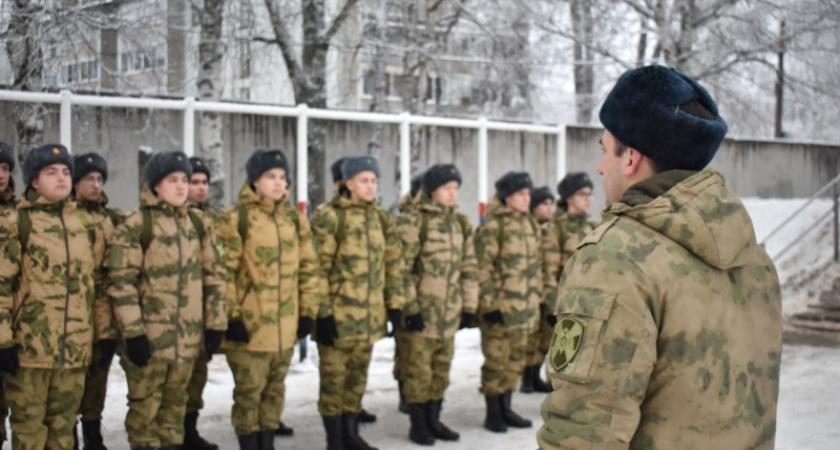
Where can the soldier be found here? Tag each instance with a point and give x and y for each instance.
(542, 203)
(669, 314)
(166, 282)
(197, 196)
(442, 287)
(273, 293)
(7, 203)
(510, 276)
(360, 255)
(89, 177)
(51, 307)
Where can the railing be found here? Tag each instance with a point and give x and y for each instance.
(834, 185)
(190, 106)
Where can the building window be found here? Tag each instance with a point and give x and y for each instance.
(433, 89)
(80, 71)
(143, 59)
(393, 84)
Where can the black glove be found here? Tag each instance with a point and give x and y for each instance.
(138, 350)
(551, 319)
(467, 320)
(9, 362)
(395, 317)
(326, 332)
(236, 331)
(543, 308)
(212, 342)
(304, 327)
(415, 322)
(107, 348)
(494, 317)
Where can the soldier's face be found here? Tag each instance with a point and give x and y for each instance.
(90, 187)
(174, 188)
(447, 195)
(54, 182)
(520, 200)
(4, 176)
(610, 167)
(362, 186)
(580, 202)
(272, 184)
(543, 210)
(199, 186)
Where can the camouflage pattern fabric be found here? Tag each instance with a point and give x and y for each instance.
(44, 404)
(272, 276)
(427, 368)
(198, 380)
(680, 347)
(96, 386)
(538, 343)
(7, 203)
(58, 307)
(363, 264)
(260, 389)
(344, 371)
(441, 280)
(404, 205)
(173, 292)
(561, 238)
(504, 352)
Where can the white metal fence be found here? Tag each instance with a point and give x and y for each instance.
(66, 99)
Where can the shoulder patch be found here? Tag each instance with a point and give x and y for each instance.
(568, 334)
(598, 233)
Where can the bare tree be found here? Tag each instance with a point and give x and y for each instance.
(211, 52)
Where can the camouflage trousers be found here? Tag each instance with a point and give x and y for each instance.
(344, 371)
(426, 367)
(504, 358)
(538, 343)
(399, 360)
(157, 402)
(96, 384)
(260, 389)
(4, 412)
(44, 404)
(197, 382)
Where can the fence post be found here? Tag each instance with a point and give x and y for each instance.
(482, 168)
(561, 151)
(189, 126)
(66, 120)
(836, 202)
(302, 157)
(405, 153)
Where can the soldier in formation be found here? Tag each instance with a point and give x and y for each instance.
(8, 202)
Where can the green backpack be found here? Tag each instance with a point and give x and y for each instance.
(146, 231)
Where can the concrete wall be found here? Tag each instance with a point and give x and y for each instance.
(752, 168)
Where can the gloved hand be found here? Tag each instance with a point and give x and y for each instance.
(304, 327)
(494, 317)
(212, 342)
(551, 319)
(107, 348)
(138, 350)
(395, 317)
(9, 361)
(415, 322)
(543, 309)
(326, 332)
(467, 320)
(236, 331)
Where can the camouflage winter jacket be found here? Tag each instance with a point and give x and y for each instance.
(561, 237)
(110, 218)
(59, 307)
(7, 197)
(440, 266)
(406, 204)
(173, 292)
(669, 326)
(508, 246)
(363, 263)
(273, 275)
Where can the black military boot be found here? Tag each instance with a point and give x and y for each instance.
(283, 430)
(266, 440)
(511, 418)
(92, 435)
(494, 421)
(539, 384)
(248, 441)
(350, 433)
(192, 440)
(403, 404)
(438, 429)
(366, 417)
(527, 385)
(419, 432)
(332, 425)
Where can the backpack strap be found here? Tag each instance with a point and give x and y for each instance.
(198, 224)
(243, 222)
(146, 229)
(116, 218)
(24, 228)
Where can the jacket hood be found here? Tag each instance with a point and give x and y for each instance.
(425, 203)
(497, 208)
(8, 195)
(32, 200)
(699, 213)
(247, 196)
(151, 201)
(99, 204)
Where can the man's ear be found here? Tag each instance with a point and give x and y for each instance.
(631, 162)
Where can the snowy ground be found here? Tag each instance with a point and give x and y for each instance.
(808, 409)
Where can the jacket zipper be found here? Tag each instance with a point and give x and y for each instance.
(279, 265)
(449, 275)
(370, 271)
(66, 287)
(179, 230)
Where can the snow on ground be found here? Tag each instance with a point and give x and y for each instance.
(808, 410)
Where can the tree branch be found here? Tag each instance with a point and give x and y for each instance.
(284, 40)
(338, 21)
